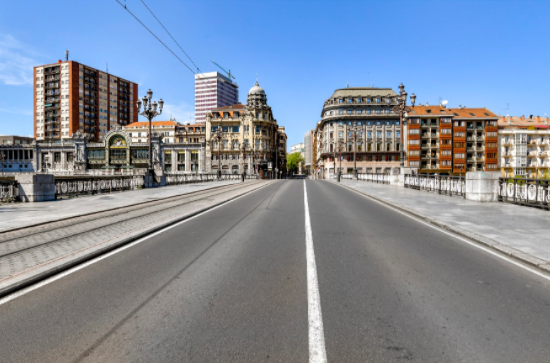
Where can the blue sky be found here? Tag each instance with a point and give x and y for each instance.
(473, 53)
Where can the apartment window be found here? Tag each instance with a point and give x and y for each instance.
(378, 100)
(349, 100)
(358, 100)
(69, 157)
(235, 128)
(369, 134)
(397, 133)
(340, 112)
(340, 101)
(388, 134)
(57, 157)
(340, 134)
(378, 134)
(414, 132)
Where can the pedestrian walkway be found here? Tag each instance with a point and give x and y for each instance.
(27, 214)
(519, 231)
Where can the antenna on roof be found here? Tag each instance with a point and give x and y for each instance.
(67, 55)
(107, 67)
(444, 103)
(347, 85)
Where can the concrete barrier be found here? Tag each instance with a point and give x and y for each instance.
(36, 187)
(482, 186)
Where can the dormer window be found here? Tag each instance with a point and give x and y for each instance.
(368, 100)
(340, 101)
(358, 100)
(349, 100)
(378, 100)
(388, 100)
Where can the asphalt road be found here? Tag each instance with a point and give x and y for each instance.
(231, 285)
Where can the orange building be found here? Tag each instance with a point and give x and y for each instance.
(451, 141)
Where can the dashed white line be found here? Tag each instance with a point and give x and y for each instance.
(317, 351)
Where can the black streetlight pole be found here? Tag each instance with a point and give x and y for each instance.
(2, 158)
(354, 135)
(402, 108)
(218, 136)
(150, 111)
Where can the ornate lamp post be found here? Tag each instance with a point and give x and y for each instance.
(402, 108)
(339, 147)
(218, 137)
(354, 133)
(2, 158)
(150, 111)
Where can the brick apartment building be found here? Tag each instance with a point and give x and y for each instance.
(70, 96)
(452, 141)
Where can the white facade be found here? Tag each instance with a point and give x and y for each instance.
(138, 131)
(213, 90)
(523, 152)
(298, 148)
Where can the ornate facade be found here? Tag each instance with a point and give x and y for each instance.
(252, 125)
(368, 113)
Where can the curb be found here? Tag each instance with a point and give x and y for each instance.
(108, 210)
(47, 270)
(523, 257)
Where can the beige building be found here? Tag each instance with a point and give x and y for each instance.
(523, 146)
(367, 113)
(252, 125)
(138, 131)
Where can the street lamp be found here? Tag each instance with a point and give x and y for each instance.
(338, 147)
(2, 158)
(402, 108)
(354, 136)
(150, 112)
(245, 146)
(218, 137)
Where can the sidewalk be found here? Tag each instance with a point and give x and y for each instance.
(520, 232)
(26, 214)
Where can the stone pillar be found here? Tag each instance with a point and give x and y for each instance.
(36, 187)
(482, 186)
(187, 160)
(200, 166)
(174, 160)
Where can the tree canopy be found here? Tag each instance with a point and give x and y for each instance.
(292, 162)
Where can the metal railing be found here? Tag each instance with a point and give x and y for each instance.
(529, 192)
(380, 178)
(446, 185)
(177, 178)
(89, 185)
(9, 191)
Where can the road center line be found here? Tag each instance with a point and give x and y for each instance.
(317, 352)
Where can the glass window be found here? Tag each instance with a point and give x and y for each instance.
(214, 129)
(257, 129)
(358, 100)
(349, 100)
(388, 134)
(377, 111)
(397, 133)
(368, 111)
(359, 122)
(340, 112)
(225, 128)
(235, 128)
(349, 112)
(358, 111)
(378, 133)
(340, 101)
(368, 100)
(378, 100)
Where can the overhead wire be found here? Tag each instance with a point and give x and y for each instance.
(168, 48)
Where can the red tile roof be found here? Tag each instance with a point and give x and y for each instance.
(154, 124)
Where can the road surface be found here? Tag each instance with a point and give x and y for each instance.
(235, 285)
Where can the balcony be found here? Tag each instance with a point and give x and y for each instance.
(542, 142)
(51, 86)
(542, 154)
(507, 155)
(434, 145)
(471, 138)
(49, 71)
(424, 146)
(470, 149)
(531, 154)
(507, 142)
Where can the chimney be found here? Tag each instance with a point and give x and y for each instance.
(508, 120)
(427, 104)
(523, 117)
(538, 119)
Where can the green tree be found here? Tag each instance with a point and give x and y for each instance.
(292, 162)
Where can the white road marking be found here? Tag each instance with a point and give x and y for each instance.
(49, 280)
(317, 351)
(475, 244)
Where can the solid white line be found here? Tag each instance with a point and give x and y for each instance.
(99, 258)
(475, 244)
(317, 352)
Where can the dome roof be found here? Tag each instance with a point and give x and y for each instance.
(256, 90)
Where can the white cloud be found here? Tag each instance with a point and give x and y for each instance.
(17, 111)
(16, 61)
(182, 112)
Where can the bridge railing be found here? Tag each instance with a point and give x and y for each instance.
(447, 185)
(529, 192)
(90, 185)
(9, 190)
(380, 178)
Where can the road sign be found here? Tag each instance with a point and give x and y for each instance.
(269, 165)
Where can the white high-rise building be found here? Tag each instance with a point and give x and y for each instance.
(213, 90)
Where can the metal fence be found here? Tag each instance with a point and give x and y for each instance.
(530, 192)
(86, 185)
(374, 178)
(175, 178)
(9, 191)
(447, 185)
